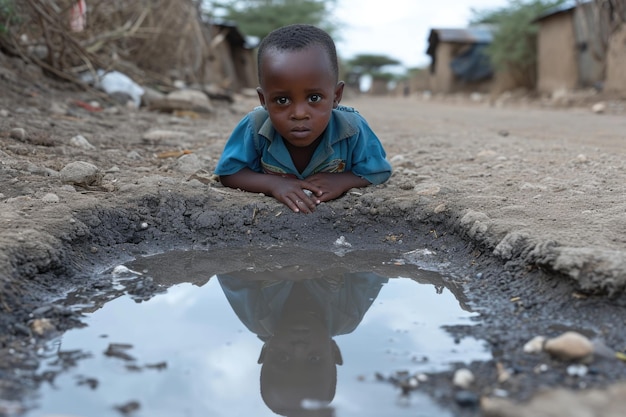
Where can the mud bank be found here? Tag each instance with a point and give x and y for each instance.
(52, 248)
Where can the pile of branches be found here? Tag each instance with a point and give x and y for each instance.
(152, 41)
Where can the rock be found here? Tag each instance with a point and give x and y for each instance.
(81, 173)
(193, 100)
(463, 378)
(189, 164)
(577, 370)
(79, 141)
(42, 326)
(440, 208)
(569, 346)
(599, 107)
(50, 198)
(535, 345)
(18, 133)
(157, 136)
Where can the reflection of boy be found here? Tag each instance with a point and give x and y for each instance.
(301, 134)
(297, 320)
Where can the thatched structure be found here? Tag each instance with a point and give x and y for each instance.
(152, 41)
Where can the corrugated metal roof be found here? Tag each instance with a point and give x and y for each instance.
(563, 8)
(474, 34)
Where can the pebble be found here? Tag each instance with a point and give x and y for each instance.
(463, 378)
(4, 113)
(42, 326)
(81, 173)
(164, 135)
(569, 346)
(440, 208)
(50, 198)
(79, 141)
(577, 370)
(18, 133)
(599, 107)
(535, 345)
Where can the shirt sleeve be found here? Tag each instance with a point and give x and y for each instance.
(368, 156)
(240, 150)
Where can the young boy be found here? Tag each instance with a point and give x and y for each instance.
(315, 149)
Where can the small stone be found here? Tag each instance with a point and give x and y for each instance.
(440, 208)
(79, 141)
(582, 158)
(569, 346)
(50, 198)
(18, 133)
(81, 173)
(463, 378)
(599, 107)
(42, 326)
(577, 370)
(535, 345)
(4, 113)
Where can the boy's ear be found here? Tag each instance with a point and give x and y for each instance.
(338, 94)
(259, 91)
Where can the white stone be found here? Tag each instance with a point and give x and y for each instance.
(463, 378)
(50, 198)
(535, 345)
(79, 141)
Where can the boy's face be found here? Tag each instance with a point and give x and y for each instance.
(299, 90)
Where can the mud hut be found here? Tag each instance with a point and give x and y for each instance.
(458, 59)
(232, 56)
(570, 52)
(616, 62)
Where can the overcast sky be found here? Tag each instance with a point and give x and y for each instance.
(400, 28)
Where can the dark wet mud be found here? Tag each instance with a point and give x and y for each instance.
(523, 303)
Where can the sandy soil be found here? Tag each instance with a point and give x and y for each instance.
(528, 200)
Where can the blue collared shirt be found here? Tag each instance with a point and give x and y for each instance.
(348, 145)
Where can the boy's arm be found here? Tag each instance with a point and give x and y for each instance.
(289, 191)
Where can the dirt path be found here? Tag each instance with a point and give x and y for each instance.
(556, 177)
(530, 203)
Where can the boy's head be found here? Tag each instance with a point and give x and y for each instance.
(298, 37)
(298, 77)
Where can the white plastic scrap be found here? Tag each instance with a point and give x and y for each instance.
(122, 270)
(342, 243)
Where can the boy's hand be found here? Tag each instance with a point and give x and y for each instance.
(291, 192)
(334, 185)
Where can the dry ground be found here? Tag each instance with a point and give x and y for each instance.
(520, 187)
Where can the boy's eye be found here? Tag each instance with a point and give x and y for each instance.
(282, 100)
(314, 98)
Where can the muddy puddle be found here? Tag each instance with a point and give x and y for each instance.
(261, 331)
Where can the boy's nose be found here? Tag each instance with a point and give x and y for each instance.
(300, 111)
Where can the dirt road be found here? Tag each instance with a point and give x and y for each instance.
(527, 204)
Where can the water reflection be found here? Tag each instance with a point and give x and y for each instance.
(320, 326)
(297, 318)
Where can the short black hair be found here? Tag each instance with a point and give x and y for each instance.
(296, 37)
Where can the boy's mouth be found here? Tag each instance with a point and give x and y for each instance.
(300, 131)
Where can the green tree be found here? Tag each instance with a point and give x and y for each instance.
(514, 46)
(260, 17)
(368, 64)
